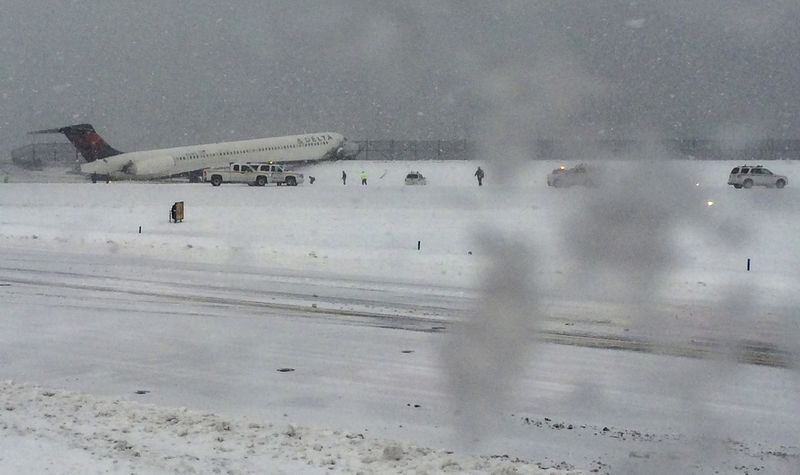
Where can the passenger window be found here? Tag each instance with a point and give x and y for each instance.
(745, 170)
(236, 168)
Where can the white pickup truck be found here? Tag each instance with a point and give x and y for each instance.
(253, 174)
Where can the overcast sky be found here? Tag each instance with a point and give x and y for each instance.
(154, 74)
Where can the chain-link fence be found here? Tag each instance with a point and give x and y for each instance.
(414, 150)
(552, 149)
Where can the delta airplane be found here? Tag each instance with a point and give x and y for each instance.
(105, 162)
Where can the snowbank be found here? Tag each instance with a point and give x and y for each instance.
(65, 432)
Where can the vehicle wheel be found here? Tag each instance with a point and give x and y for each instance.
(780, 183)
(748, 183)
(737, 186)
(216, 180)
(261, 180)
(290, 181)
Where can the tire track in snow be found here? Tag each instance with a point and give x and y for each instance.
(749, 352)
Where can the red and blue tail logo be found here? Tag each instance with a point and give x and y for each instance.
(86, 140)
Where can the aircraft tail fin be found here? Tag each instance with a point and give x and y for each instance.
(86, 140)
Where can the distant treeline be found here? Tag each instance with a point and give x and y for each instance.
(38, 155)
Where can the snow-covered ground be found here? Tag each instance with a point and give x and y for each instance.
(388, 328)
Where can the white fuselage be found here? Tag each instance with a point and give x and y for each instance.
(180, 160)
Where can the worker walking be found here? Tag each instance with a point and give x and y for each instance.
(344, 178)
(479, 174)
(363, 176)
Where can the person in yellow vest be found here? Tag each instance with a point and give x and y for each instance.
(363, 176)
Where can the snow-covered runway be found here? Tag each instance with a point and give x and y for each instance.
(313, 306)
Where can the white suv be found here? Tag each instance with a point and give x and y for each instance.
(748, 176)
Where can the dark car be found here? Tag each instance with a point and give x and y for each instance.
(415, 178)
(563, 176)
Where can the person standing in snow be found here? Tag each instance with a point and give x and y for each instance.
(363, 176)
(344, 178)
(479, 174)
